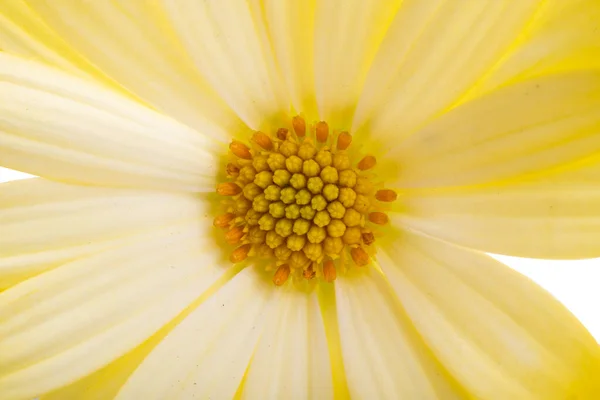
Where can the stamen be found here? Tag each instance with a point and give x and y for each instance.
(386, 195)
(366, 163)
(262, 140)
(282, 133)
(299, 125)
(240, 254)
(360, 257)
(228, 189)
(223, 221)
(232, 170)
(234, 235)
(322, 131)
(281, 275)
(329, 273)
(240, 150)
(378, 218)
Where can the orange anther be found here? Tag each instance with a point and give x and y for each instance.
(367, 162)
(299, 125)
(360, 257)
(281, 275)
(228, 189)
(368, 238)
(322, 131)
(240, 150)
(222, 221)
(386, 195)
(232, 170)
(329, 273)
(282, 133)
(240, 254)
(234, 235)
(344, 140)
(309, 272)
(378, 218)
(263, 140)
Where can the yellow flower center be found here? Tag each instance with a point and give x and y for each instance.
(301, 201)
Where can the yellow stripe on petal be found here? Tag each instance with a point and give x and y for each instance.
(499, 334)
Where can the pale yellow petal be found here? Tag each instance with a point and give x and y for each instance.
(384, 358)
(291, 360)
(45, 224)
(347, 37)
(65, 128)
(207, 354)
(499, 334)
(434, 51)
(525, 128)
(557, 216)
(81, 316)
(229, 44)
(131, 42)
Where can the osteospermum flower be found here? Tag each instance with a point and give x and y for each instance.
(291, 199)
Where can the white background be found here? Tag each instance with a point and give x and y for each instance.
(574, 283)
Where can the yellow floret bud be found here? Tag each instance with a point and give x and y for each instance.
(242, 205)
(298, 181)
(310, 168)
(329, 175)
(296, 242)
(260, 163)
(336, 209)
(333, 245)
(277, 210)
(288, 148)
(303, 197)
(262, 250)
(283, 227)
(324, 158)
(352, 217)
(252, 217)
(282, 252)
(336, 228)
(315, 185)
(272, 192)
(313, 251)
(331, 192)
(288, 195)
(341, 161)
(347, 197)
(260, 204)
(318, 202)
(294, 164)
(347, 178)
(307, 212)
(298, 260)
(266, 222)
(264, 179)
(276, 161)
(273, 239)
(281, 177)
(306, 151)
(256, 235)
(352, 235)
(322, 218)
(247, 174)
(301, 226)
(251, 190)
(363, 186)
(362, 203)
(292, 211)
(316, 234)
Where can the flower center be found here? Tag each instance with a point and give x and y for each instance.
(302, 202)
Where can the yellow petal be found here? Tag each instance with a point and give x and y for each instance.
(384, 358)
(291, 359)
(132, 43)
(525, 128)
(347, 37)
(434, 51)
(65, 128)
(45, 224)
(81, 316)
(499, 334)
(229, 45)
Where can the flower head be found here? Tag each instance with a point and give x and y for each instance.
(273, 199)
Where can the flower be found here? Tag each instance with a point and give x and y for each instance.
(482, 117)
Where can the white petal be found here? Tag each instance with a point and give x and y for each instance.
(434, 52)
(520, 129)
(61, 127)
(45, 224)
(207, 354)
(131, 42)
(229, 45)
(77, 318)
(496, 332)
(383, 356)
(291, 359)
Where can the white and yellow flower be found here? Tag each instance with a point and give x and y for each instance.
(482, 117)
